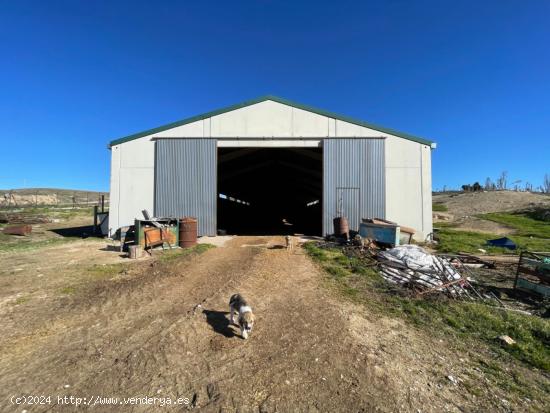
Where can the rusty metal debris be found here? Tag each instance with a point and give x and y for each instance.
(18, 230)
(432, 274)
(468, 260)
(422, 273)
(413, 267)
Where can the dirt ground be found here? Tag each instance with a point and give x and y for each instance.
(159, 328)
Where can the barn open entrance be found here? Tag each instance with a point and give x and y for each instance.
(270, 191)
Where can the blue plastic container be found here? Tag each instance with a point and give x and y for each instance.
(388, 234)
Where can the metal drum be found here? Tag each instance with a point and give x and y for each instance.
(188, 232)
(341, 227)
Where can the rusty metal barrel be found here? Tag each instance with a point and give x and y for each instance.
(188, 232)
(341, 227)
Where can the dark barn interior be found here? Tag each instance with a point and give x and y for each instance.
(270, 191)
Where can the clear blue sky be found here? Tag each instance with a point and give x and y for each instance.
(472, 75)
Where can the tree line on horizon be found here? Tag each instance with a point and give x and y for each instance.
(501, 184)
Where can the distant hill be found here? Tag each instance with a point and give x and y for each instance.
(49, 196)
(460, 204)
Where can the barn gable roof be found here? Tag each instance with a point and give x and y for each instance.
(278, 100)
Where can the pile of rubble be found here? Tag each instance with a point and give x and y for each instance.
(424, 273)
(410, 266)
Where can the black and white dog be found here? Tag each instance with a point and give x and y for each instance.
(237, 304)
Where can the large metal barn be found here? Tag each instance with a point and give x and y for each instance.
(271, 166)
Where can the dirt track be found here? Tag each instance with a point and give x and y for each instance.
(144, 334)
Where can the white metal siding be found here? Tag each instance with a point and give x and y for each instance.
(407, 170)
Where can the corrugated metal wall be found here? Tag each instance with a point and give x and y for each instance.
(186, 180)
(353, 180)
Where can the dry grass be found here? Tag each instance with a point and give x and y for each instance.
(470, 324)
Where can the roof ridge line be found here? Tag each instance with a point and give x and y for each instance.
(277, 99)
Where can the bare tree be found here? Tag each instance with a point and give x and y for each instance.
(489, 185)
(546, 184)
(528, 187)
(502, 180)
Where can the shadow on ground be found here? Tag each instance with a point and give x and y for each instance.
(219, 322)
(83, 231)
(110, 247)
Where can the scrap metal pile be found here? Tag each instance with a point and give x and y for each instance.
(425, 273)
(419, 271)
(376, 244)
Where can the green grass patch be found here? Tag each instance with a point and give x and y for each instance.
(483, 322)
(336, 270)
(445, 224)
(69, 290)
(467, 241)
(107, 270)
(466, 320)
(11, 244)
(523, 224)
(450, 240)
(21, 300)
(510, 380)
(99, 272)
(333, 261)
(178, 253)
(439, 207)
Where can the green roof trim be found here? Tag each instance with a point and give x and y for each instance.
(278, 100)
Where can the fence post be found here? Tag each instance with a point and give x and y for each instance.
(95, 219)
